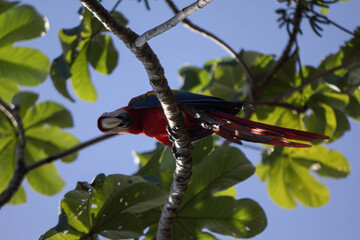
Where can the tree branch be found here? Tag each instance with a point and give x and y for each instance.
(285, 53)
(67, 152)
(217, 40)
(295, 108)
(20, 169)
(182, 146)
(172, 22)
(314, 79)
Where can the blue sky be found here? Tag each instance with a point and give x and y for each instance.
(246, 24)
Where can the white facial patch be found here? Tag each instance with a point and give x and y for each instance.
(110, 123)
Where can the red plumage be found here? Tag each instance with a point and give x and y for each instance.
(203, 115)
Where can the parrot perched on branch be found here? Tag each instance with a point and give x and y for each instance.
(203, 115)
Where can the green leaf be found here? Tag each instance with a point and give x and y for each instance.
(80, 76)
(45, 179)
(287, 171)
(227, 79)
(351, 49)
(332, 99)
(225, 167)
(7, 159)
(8, 90)
(353, 108)
(242, 218)
(5, 5)
(107, 207)
(102, 54)
(60, 73)
(19, 197)
(342, 125)
(193, 79)
(23, 101)
(21, 23)
(326, 163)
(202, 149)
(322, 120)
(52, 140)
(48, 113)
(26, 66)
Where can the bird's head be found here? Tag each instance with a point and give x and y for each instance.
(117, 121)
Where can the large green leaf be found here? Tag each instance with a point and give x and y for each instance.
(8, 90)
(52, 140)
(193, 79)
(46, 179)
(102, 54)
(21, 23)
(326, 163)
(287, 172)
(48, 113)
(44, 137)
(353, 108)
(322, 119)
(80, 76)
(5, 5)
(25, 66)
(216, 171)
(7, 160)
(107, 207)
(225, 167)
(242, 218)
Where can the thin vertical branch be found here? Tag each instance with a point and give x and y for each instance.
(182, 146)
(285, 53)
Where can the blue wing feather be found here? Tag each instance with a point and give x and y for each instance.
(204, 102)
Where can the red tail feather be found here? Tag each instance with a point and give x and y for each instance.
(235, 129)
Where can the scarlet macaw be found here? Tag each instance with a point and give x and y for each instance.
(203, 115)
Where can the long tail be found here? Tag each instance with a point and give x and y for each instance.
(236, 129)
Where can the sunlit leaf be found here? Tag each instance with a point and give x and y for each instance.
(225, 167)
(19, 197)
(8, 90)
(193, 79)
(322, 120)
(353, 108)
(52, 140)
(45, 179)
(326, 163)
(21, 23)
(7, 159)
(289, 179)
(25, 66)
(48, 112)
(80, 76)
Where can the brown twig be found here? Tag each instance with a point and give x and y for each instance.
(182, 145)
(292, 107)
(217, 40)
(285, 53)
(314, 79)
(20, 169)
(67, 152)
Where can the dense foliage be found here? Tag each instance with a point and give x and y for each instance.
(315, 98)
